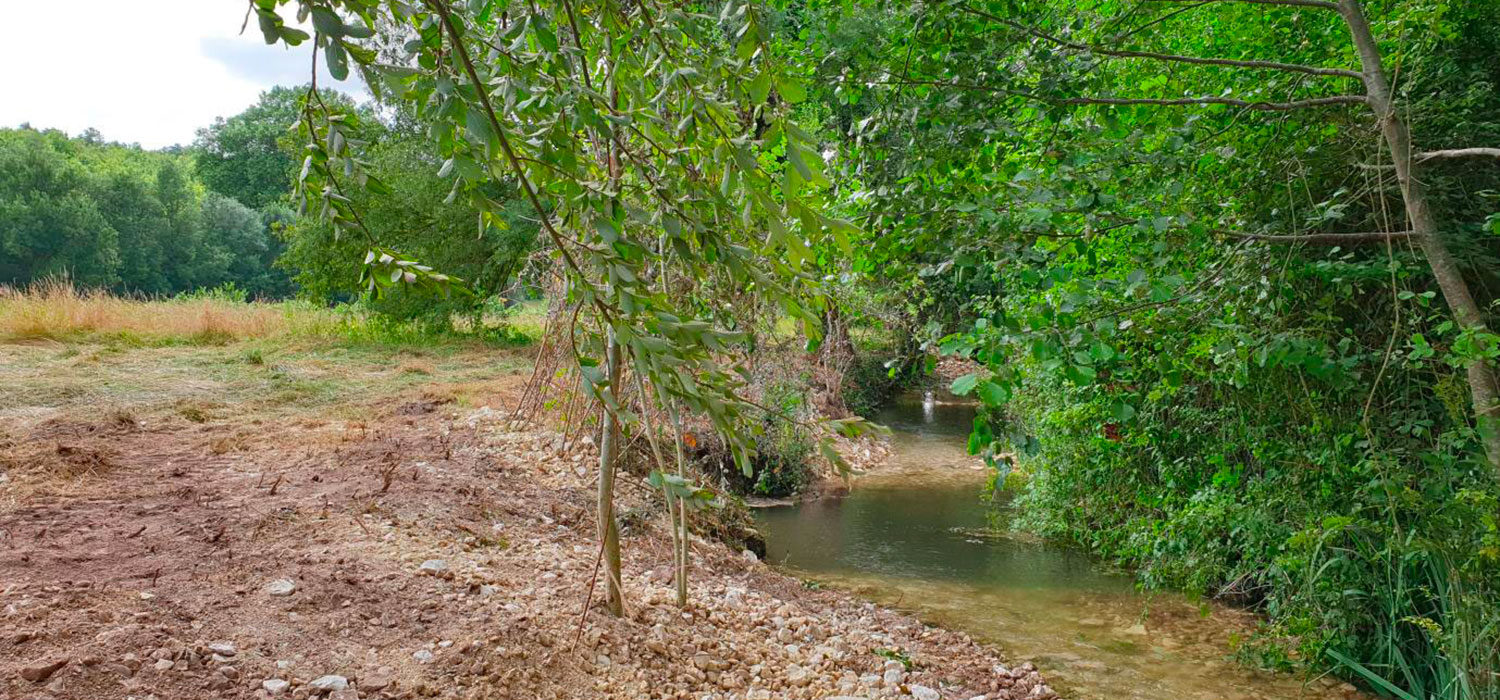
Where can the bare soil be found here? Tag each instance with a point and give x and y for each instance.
(432, 549)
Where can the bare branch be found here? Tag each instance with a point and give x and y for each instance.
(1196, 60)
(1321, 4)
(1267, 65)
(1260, 106)
(1457, 153)
(1324, 238)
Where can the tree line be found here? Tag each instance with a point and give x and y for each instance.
(219, 212)
(119, 217)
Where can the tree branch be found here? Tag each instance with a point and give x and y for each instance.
(1323, 238)
(1197, 60)
(1267, 65)
(1321, 4)
(544, 217)
(1457, 153)
(1259, 106)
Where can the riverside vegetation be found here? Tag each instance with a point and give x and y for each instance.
(1221, 275)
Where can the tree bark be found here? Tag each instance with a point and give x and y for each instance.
(609, 442)
(609, 452)
(1482, 380)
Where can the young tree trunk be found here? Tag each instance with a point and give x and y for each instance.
(609, 452)
(609, 442)
(1482, 379)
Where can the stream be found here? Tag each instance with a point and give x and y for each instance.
(916, 535)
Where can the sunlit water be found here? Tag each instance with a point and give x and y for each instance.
(916, 535)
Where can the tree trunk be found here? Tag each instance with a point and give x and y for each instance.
(609, 452)
(1482, 380)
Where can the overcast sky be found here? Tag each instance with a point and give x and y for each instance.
(147, 72)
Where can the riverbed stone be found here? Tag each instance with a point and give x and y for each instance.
(329, 683)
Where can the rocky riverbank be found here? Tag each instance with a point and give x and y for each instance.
(432, 552)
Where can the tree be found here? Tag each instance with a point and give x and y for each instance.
(136, 221)
(1068, 52)
(417, 217)
(1203, 374)
(628, 130)
(241, 156)
(50, 226)
(245, 238)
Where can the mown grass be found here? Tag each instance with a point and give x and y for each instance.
(64, 352)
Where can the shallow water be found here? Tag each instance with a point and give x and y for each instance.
(917, 535)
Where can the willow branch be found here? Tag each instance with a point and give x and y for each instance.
(515, 162)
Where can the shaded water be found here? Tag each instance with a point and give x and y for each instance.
(916, 535)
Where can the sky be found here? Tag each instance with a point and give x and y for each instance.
(151, 73)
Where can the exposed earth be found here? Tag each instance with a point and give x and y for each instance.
(430, 549)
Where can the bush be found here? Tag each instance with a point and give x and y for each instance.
(783, 460)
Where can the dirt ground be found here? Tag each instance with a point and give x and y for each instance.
(402, 541)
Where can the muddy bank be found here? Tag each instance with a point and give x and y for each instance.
(431, 552)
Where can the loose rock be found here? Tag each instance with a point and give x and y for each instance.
(39, 673)
(329, 683)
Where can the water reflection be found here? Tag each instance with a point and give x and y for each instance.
(915, 534)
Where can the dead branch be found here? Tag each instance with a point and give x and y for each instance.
(1176, 58)
(1457, 153)
(1321, 4)
(1323, 238)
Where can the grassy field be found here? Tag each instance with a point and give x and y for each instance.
(64, 352)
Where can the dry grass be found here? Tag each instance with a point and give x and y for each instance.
(57, 311)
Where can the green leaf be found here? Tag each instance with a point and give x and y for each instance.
(326, 22)
(544, 36)
(338, 60)
(760, 88)
(790, 90)
(964, 385)
(993, 393)
(1371, 676)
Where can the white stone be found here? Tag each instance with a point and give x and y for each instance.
(274, 686)
(329, 683)
(281, 587)
(922, 692)
(433, 566)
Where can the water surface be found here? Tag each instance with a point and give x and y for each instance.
(917, 534)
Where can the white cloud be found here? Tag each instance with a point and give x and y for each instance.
(151, 73)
